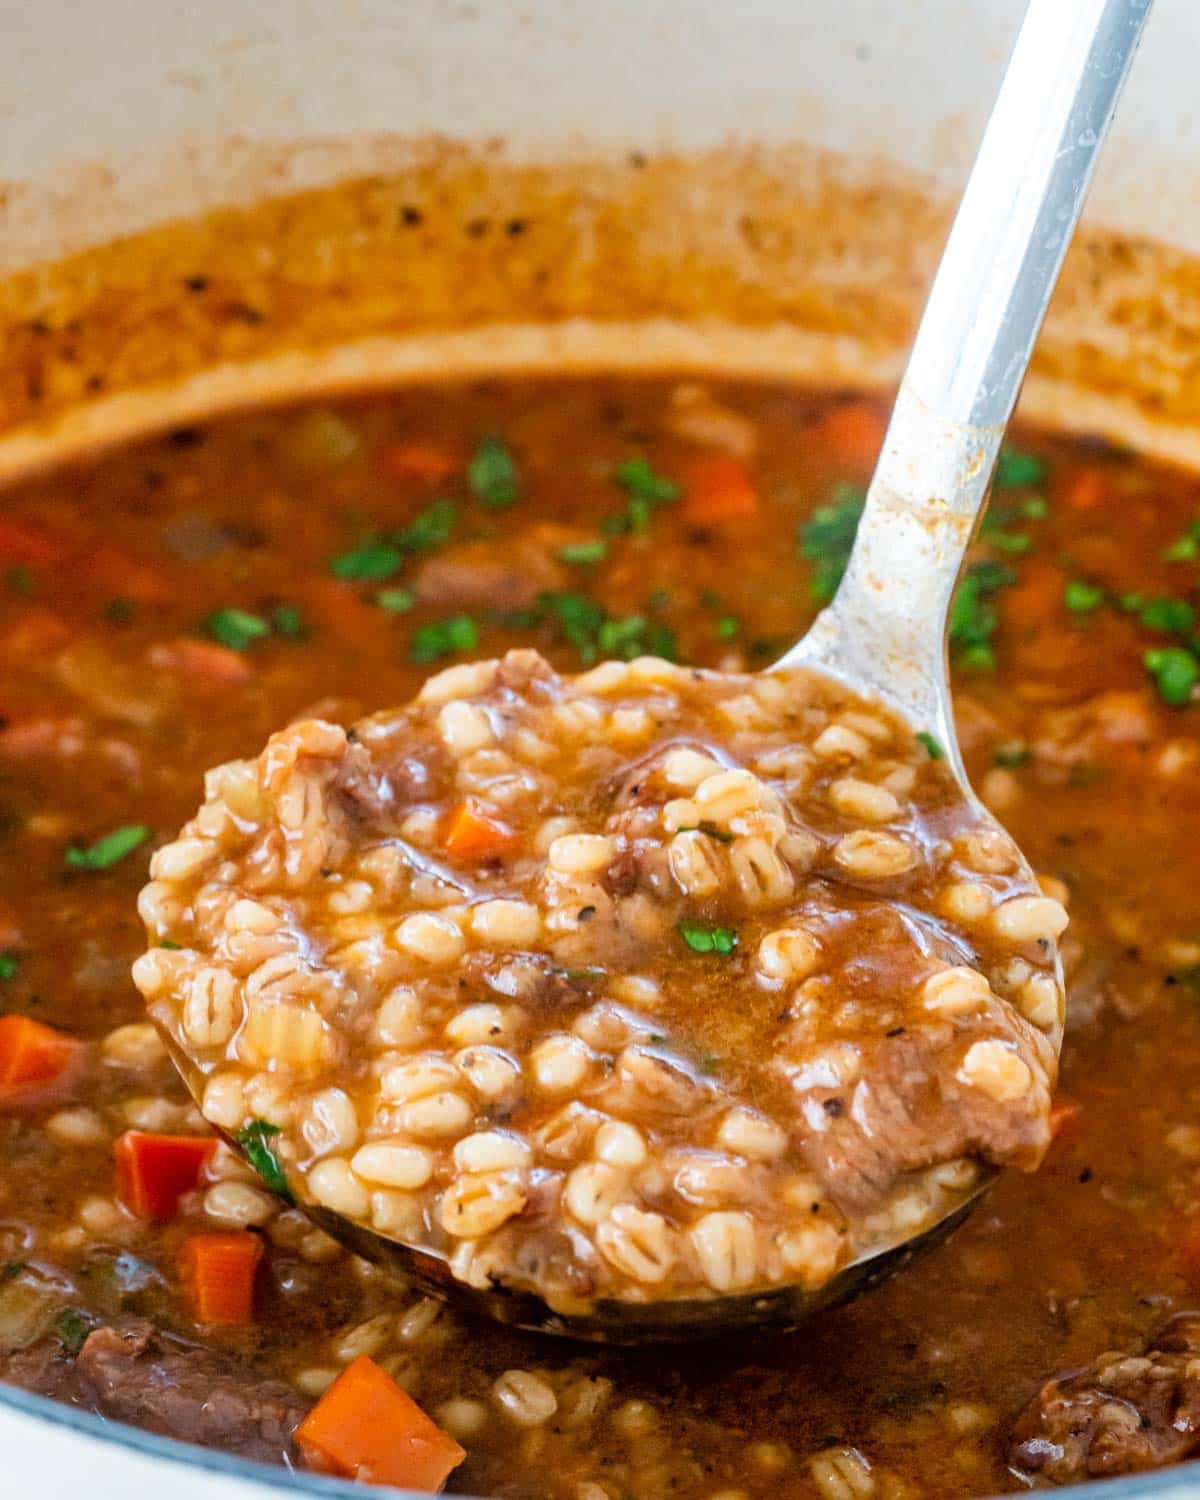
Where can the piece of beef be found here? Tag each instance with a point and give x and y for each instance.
(472, 575)
(907, 1110)
(43, 1368)
(1124, 1413)
(133, 1373)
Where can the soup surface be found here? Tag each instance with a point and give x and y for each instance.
(165, 609)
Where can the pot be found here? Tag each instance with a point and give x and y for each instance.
(204, 206)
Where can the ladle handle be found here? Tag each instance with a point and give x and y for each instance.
(886, 628)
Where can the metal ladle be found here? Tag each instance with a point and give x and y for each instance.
(884, 634)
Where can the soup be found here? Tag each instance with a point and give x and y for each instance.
(166, 608)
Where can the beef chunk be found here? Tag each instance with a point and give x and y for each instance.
(43, 1368)
(1124, 1413)
(472, 575)
(131, 1372)
(907, 1111)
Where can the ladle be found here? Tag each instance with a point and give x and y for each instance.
(884, 635)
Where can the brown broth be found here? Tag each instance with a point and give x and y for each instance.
(1091, 1253)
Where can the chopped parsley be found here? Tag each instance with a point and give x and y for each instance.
(710, 829)
(443, 638)
(493, 475)
(377, 557)
(371, 559)
(703, 938)
(237, 629)
(973, 616)
(1170, 616)
(635, 636)
(9, 964)
(586, 626)
(1081, 597)
(288, 622)
(1185, 548)
(827, 538)
(584, 553)
(395, 601)
(109, 849)
(1015, 543)
(932, 746)
(1011, 754)
(647, 490)
(1174, 671)
(120, 611)
(254, 1139)
(1016, 468)
(727, 627)
(429, 529)
(12, 1270)
(72, 1327)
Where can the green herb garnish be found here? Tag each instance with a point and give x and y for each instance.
(72, 1327)
(647, 490)
(1082, 597)
(9, 964)
(443, 638)
(1174, 671)
(727, 627)
(1171, 616)
(288, 622)
(703, 938)
(1011, 754)
(396, 601)
(237, 629)
(19, 580)
(108, 850)
(1015, 468)
(428, 529)
(1185, 548)
(120, 611)
(584, 553)
(933, 748)
(827, 538)
(493, 475)
(710, 829)
(974, 618)
(254, 1139)
(371, 559)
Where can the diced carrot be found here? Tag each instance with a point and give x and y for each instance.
(126, 577)
(1085, 489)
(366, 1427)
(23, 545)
(37, 1063)
(852, 432)
(1064, 1119)
(419, 461)
(340, 612)
(218, 1275)
(154, 1171)
(717, 488)
(1036, 596)
(205, 661)
(31, 1052)
(473, 831)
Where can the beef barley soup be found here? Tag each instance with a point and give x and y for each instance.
(166, 609)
